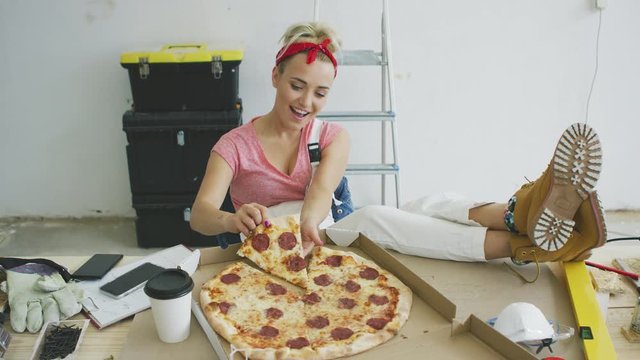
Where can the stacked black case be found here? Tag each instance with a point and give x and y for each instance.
(167, 154)
(168, 148)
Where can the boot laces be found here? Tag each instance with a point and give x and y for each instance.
(520, 262)
(528, 184)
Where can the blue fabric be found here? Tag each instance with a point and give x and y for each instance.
(225, 239)
(342, 194)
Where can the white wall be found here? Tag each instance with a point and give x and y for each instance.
(484, 88)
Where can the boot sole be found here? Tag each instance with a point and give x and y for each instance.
(576, 168)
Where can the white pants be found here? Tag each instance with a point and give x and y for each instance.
(433, 226)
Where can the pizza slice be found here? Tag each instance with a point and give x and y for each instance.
(276, 247)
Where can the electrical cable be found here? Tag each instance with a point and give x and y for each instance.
(595, 72)
(624, 238)
(593, 80)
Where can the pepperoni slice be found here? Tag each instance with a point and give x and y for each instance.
(269, 331)
(276, 289)
(298, 343)
(230, 278)
(369, 273)
(287, 240)
(274, 313)
(322, 280)
(260, 242)
(346, 303)
(311, 299)
(352, 286)
(224, 307)
(377, 323)
(341, 333)
(296, 263)
(379, 300)
(334, 260)
(318, 322)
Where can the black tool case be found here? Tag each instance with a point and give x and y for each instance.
(167, 152)
(163, 221)
(183, 77)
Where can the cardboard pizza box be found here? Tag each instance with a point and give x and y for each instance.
(433, 326)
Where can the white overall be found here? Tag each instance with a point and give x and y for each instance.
(433, 226)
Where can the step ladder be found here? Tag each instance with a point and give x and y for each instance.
(386, 116)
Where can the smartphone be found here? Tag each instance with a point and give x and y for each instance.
(130, 281)
(97, 266)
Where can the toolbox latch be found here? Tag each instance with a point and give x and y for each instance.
(180, 137)
(143, 67)
(216, 66)
(187, 214)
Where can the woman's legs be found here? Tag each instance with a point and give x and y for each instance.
(490, 216)
(453, 207)
(427, 236)
(413, 234)
(536, 225)
(497, 244)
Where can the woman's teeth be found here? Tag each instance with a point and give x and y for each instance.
(300, 113)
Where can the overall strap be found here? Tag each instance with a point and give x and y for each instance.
(313, 145)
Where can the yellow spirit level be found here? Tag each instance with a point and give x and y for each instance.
(592, 328)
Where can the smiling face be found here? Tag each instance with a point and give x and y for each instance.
(301, 90)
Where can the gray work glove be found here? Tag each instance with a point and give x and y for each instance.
(37, 295)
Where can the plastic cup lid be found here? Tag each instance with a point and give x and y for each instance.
(169, 284)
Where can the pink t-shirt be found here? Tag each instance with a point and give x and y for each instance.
(255, 179)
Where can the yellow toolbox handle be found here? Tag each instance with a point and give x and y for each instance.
(170, 47)
(181, 53)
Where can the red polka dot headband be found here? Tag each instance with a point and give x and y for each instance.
(313, 48)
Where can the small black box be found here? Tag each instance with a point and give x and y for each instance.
(183, 77)
(163, 221)
(167, 152)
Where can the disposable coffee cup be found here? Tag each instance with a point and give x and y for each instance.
(170, 295)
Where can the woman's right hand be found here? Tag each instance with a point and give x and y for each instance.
(246, 218)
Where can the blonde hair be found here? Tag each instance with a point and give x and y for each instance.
(314, 32)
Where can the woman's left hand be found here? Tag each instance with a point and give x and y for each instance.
(310, 238)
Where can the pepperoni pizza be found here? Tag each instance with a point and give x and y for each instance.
(277, 249)
(350, 305)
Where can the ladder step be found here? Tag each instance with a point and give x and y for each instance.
(359, 57)
(358, 116)
(365, 169)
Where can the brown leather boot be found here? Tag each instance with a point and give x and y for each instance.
(589, 232)
(546, 207)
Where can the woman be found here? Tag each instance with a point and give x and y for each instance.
(265, 163)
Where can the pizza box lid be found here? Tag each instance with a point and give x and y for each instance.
(434, 325)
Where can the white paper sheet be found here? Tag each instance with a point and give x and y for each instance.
(105, 310)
